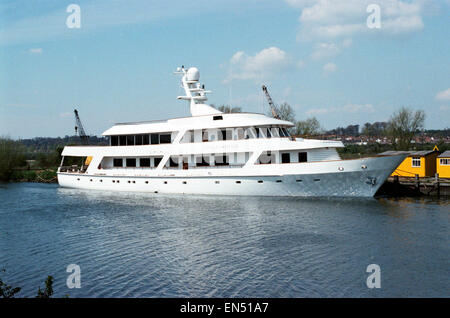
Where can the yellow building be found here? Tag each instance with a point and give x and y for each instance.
(422, 163)
(443, 164)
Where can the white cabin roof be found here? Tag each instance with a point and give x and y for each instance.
(196, 122)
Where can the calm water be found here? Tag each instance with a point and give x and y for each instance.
(153, 245)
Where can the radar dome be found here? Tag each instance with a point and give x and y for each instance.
(193, 74)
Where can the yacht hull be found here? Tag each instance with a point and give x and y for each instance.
(340, 178)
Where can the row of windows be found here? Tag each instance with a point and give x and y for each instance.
(236, 134)
(131, 162)
(268, 157)
(444, 162)
(138, 140)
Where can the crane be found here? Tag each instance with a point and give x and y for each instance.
(79, 130)
(273, 108)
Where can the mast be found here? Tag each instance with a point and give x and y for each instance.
(195, 92)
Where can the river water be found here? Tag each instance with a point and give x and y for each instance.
(153, 245)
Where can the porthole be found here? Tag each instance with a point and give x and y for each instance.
(146, 182)
(260, 181)
(90, 180)
(279, 181)
(238, 181)
(363, 167)
(78, 179)
(298, 180)
(114, 181)
(216, 182)
(101, 180)
(134, 181)
(341, 168)
(165, 182)
(316, 179)
(129, 181)
(184, 182)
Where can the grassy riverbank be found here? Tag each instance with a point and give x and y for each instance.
(34, 175)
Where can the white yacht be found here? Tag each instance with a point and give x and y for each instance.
(218, 153)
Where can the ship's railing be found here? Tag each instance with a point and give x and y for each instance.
(72, 169)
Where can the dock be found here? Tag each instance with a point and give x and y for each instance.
(415, 186)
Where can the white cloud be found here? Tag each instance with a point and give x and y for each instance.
(329, 68)
(444, 95)
(263, 64)
(37, 50)
(349, 108)
(337, 18)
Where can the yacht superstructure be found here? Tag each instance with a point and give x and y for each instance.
(218, 153)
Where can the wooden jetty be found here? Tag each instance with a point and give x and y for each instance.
(416, 186)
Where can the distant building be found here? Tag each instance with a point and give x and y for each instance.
(443, 164)
(422, 163)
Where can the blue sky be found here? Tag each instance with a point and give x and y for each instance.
(317, 55)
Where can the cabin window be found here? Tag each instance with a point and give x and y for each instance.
(138, 140)
(267, 158)
(164, 138)
(302, 157)
(131, 162)
(157, 161)
(130, 140)
(285, 158)
(444, 162)
(173, 162)
(114, 140)
(221, 160)
(144, 162)
(204, 135)
(123, 140)
(201, 162)
(118, 162)
(416, 161)
(154, 139)
(145, 140)
(269, 134)
(217, 118)
(258, 133)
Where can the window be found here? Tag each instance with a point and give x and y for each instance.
(157, 161)
(302, 157)
(217, 118)
(173, 162)
(204, 135)
(130, 140)
(201, 162)
(131, 162)
(138, 140)
(122, 140)
(154, 139)
(164, 139)
(114, 140)
(444, 162)
(415, 161)
(145, 140)
(221, 160)
(285, 158)
(118, 162)
(144, 162)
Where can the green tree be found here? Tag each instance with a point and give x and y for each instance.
(308, 127)
(403, 125)
(7, 291)
(48, 291)
(11, 156)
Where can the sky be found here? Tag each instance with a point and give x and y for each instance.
(320, 56)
